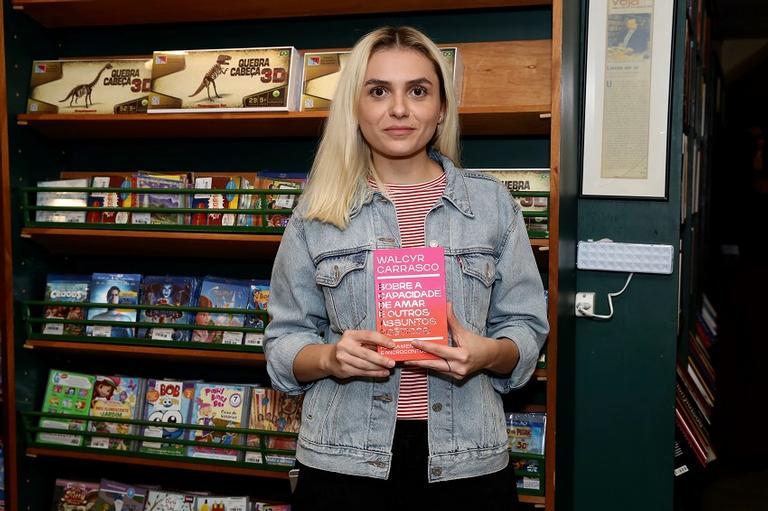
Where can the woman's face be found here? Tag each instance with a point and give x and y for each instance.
(399, 106)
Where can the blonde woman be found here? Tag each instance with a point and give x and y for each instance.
(375, 435)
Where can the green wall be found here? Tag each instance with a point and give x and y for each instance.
(624, 369)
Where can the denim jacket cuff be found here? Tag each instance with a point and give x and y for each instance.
(280, 357)
(529, 355)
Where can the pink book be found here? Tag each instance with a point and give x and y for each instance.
(410, 299)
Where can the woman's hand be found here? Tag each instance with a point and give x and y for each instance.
(472, 353)
(355, 355)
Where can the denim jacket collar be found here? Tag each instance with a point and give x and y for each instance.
(455, 188)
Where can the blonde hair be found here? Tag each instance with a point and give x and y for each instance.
(343, 163)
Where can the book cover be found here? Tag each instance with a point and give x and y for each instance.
(158, 500)
(226, 80)
(216, 292)
(272, 410)
(66, 393)
(89, 86)
(114, 496)
(113, 289)
(204, 201)
(74, 495)
(526, 432)
(410, 299)
(249, 201)
(64, 199)
(222, 504)
(166, 401)
(111, 200)
(218, 405)
(270, 180)
(164, 200)
(170, 291)
(115, 397)
(257, 300)
(65, 288)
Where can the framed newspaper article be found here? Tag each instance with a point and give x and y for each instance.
(627, 98)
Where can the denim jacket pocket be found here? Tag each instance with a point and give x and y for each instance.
(343, 280)
(478, 275)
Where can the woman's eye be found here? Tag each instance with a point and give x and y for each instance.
(419, 92)
(378, 92)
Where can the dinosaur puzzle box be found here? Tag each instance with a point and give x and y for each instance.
(322, 70)
(244, 79)
(89, 86)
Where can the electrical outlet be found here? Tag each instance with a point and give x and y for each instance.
(585, 303)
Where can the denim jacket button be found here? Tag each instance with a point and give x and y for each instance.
(437, 407)
(433, 243)
(437, 471)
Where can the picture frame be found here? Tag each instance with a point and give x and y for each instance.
(627, 99)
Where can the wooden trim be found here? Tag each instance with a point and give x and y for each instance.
(188, 464)
(157, 243)
(6, 295)
(165, 243)
(554, 257)
(67, 13)
(187, 353)
(530, 499)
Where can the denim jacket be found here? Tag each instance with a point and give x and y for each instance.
(322, 284)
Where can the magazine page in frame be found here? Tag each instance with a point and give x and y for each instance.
(627, 98)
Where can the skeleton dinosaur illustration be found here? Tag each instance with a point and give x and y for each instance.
(210, 77)
(85, 89)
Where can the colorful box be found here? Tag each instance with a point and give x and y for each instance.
(115, 86)
(227, 80)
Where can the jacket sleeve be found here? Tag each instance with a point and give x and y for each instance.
(518, 306)
(296, 309)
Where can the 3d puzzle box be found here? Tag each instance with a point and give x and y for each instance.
(89, 86)
(244, 79)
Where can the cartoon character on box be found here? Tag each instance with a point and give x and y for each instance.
(104, 388)
(204, 319)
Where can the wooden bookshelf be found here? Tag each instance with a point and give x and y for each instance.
(76, 13)
(531, 499)
(157, 461)
(188, 352)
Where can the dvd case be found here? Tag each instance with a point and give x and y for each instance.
(168, 291)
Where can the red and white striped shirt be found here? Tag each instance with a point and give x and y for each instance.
(412, 203)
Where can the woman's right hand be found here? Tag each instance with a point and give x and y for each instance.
(355, 355)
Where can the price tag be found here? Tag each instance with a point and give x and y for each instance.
(232, 338)
(53, 329)
(162, 334)
(253, 457)
(141, 218)
(252, 339)
(153, 433)
(100, 443)
(101, 331)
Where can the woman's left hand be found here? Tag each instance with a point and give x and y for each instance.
(472, 352)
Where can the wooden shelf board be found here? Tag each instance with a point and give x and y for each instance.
(475, 122)
(540, 374)
(163, 243)
(185, 464)
(532, 499)
(238, 357)
(73, 13)
(156, 243)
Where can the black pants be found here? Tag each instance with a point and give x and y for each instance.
(407, 487)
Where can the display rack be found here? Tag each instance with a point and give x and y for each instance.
(511, 96)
